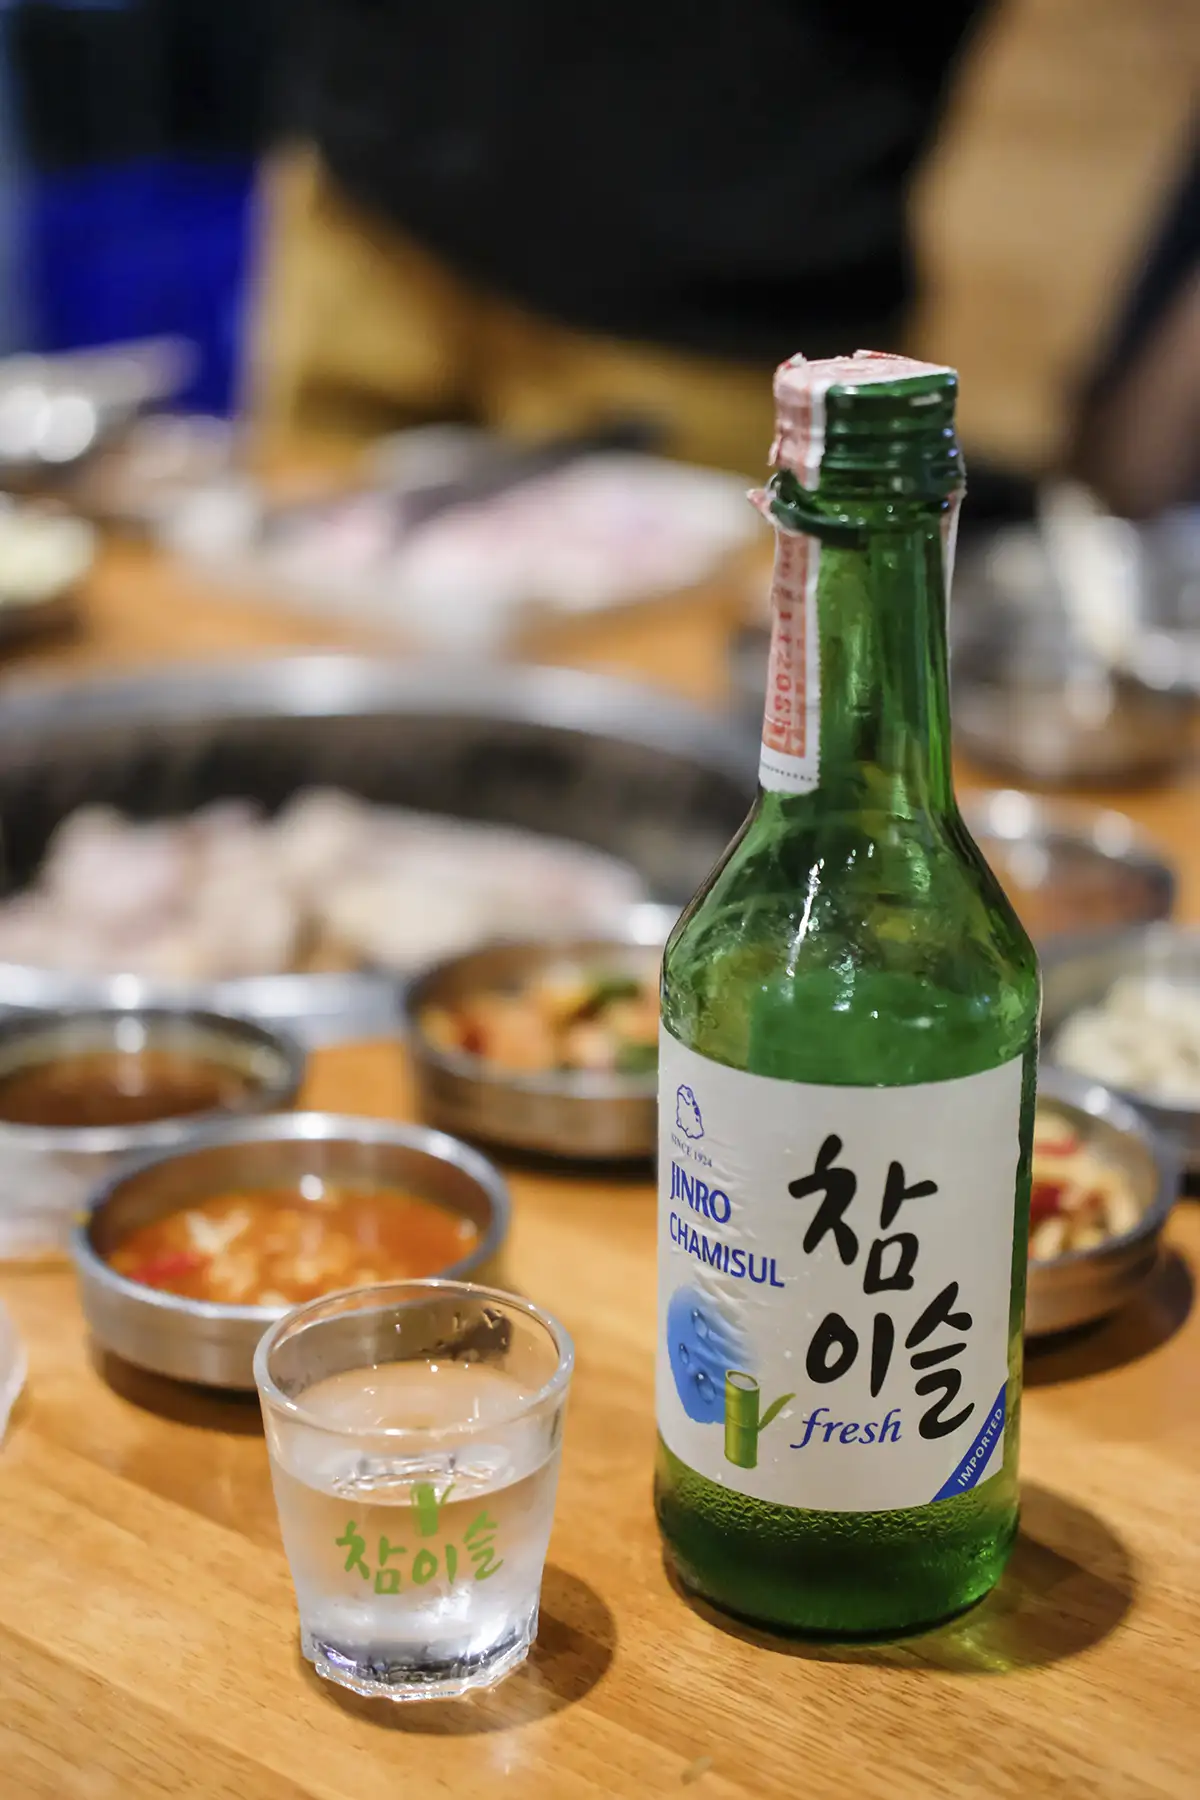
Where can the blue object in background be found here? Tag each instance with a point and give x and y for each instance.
(139, 122)
(157, 247)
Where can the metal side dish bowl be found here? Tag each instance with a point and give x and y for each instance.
(1069, 869)
(1147, 976)
(1033, 697)
(48, 1171)
(204, 1342)
(1085, 1285)
(579, 1114)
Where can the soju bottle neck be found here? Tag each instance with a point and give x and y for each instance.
(885, 699)
(868, 674)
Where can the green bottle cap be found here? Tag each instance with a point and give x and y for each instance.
(869, 418)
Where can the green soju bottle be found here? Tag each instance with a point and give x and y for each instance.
(850, 1013)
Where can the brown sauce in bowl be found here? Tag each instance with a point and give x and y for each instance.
(116, 1087)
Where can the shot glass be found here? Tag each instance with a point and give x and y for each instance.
(414, 1432)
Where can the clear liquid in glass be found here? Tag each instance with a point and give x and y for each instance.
(417, 1569)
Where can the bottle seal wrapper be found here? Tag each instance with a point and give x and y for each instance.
(800, 390)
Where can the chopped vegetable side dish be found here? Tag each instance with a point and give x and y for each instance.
(1078, 1199)
(565, 1018)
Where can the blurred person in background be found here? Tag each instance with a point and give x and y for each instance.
(1137, 439)
(550, 218)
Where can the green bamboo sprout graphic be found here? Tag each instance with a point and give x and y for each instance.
(427, 1506)
(742, 1423)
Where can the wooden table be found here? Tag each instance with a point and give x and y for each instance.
(148, 1632)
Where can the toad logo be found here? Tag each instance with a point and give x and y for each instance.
(687, 1114)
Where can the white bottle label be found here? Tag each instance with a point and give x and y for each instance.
(835, 1272)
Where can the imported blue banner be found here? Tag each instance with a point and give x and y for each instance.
(970, 1470)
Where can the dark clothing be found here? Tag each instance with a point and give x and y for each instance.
(132, 79)
(727, 177)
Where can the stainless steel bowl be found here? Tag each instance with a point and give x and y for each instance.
(1033, 695)
(193, 1340)
(584, 1116)
(47, 1173)
(1161, 639)
(1069, 869)
(56, 411)
(1085, 727)
(625, 769)
(1086, 1285)
(1081, 974)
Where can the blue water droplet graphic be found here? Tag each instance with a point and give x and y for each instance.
(702, 1345)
